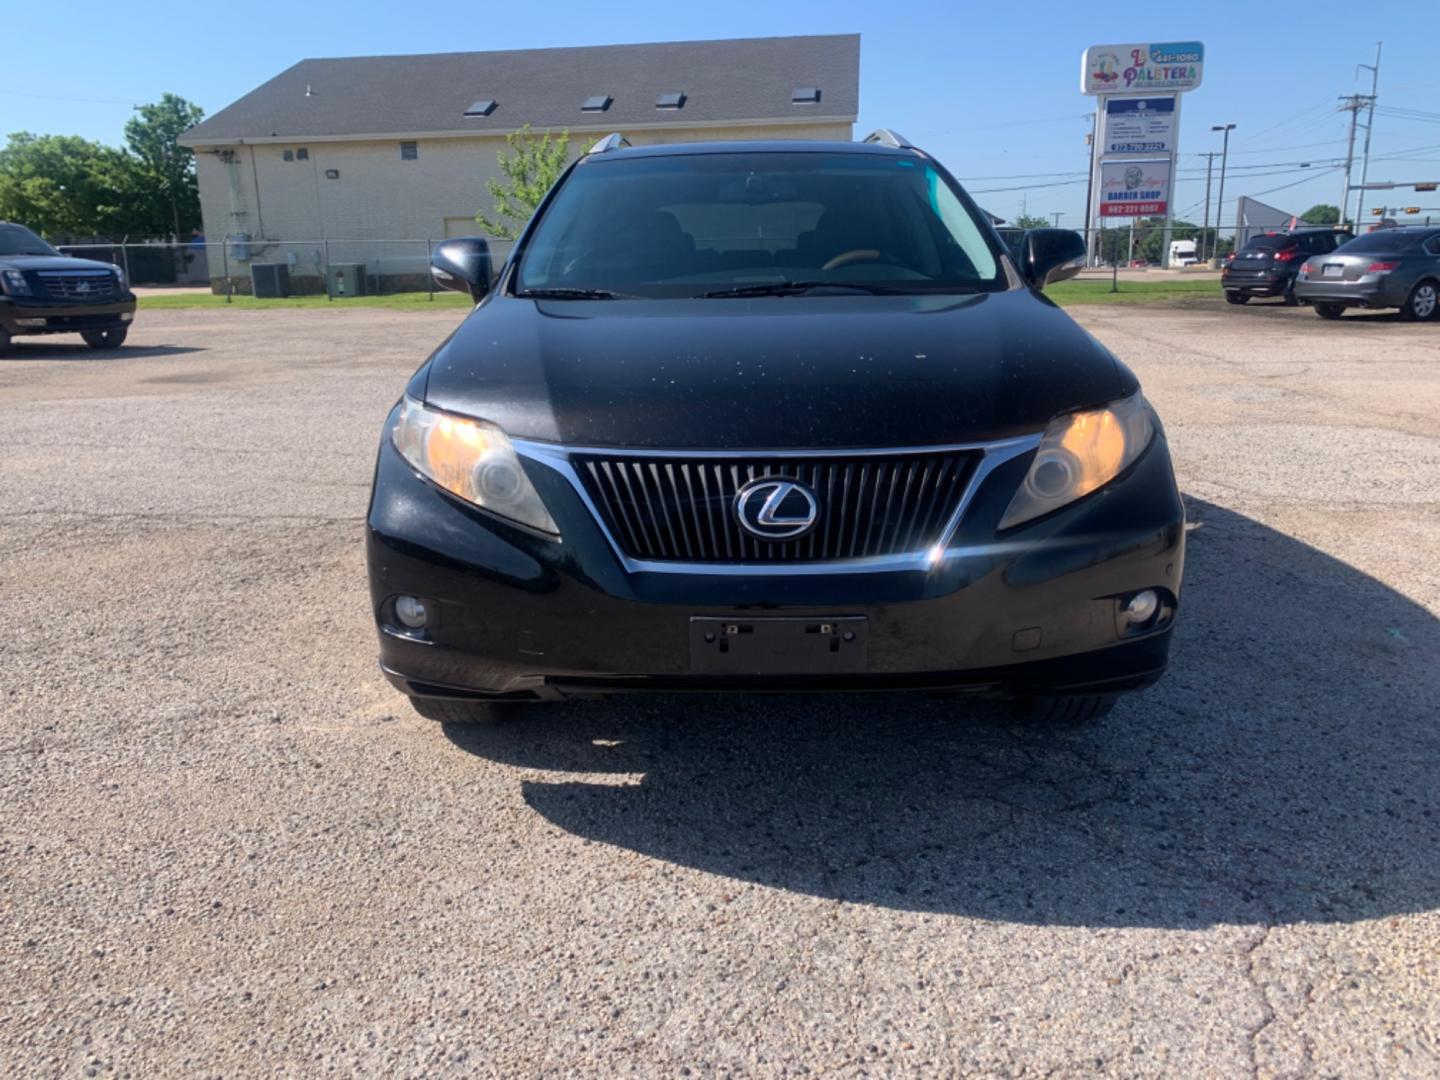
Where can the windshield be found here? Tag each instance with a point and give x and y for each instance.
(18, 240)
(1382, 241)
(697, 224)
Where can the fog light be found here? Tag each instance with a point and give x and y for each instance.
(1142, 607)
(411, 612)
(127, 316)
(29, 322)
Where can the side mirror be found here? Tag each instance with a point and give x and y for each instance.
(463, 264)
(1051, 255)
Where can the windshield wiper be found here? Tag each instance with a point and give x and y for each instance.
(795, 288)
(561, 293)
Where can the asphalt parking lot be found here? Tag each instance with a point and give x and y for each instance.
(228, 847)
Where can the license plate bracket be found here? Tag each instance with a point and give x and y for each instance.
(1333, 270)
(779, 646)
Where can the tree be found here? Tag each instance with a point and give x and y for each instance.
(1030, 221)
(165, 197)
(1321, 214)
(532, 167)
(61, 184)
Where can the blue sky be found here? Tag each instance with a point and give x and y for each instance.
(991, 89)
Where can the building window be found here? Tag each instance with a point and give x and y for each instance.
(409, 151)
(288, 155)
(303, 154)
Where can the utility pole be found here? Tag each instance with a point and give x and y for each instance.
(1224, 159)
(1374, 70)
(1353, 103)
(1056, 216)
(1205, 231)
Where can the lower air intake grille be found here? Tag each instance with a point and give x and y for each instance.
(683, 509)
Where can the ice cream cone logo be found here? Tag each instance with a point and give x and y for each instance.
(1106, 68)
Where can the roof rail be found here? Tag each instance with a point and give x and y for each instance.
(613, 141)
(887, 137)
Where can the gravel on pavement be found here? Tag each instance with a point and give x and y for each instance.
(228, 847)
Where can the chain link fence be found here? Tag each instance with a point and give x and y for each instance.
(241, 265)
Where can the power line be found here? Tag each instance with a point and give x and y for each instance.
(1025, 187)
(1324, 106)
(61, 97)
(1272, 149)
(1296, 183)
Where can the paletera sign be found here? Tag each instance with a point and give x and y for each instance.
(1134, 188)
(1174, 66)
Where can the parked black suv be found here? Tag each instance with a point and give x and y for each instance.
(44, 292)
(1267, 265)
(770, 417)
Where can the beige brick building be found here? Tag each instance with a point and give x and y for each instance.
(368, 159)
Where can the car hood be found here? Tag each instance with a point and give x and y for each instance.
(49, 262)
(772, 372)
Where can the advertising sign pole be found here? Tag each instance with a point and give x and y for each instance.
(1170, 191)
(1137, 88)
(1092, 208)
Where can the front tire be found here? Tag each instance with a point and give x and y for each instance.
(1236, 297)
(1063, 712)
(1421, 304)
(1329, 311)
(106, 339)
(461, 711)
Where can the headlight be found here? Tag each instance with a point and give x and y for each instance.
(471, 459)
(14, 283)
(1080, 453)
(119, 276)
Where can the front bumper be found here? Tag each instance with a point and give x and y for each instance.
(515, 615)
(27, 315)
(1371, 292)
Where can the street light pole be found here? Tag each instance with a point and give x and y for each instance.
(1220, 200)
(1205, 229)
(1056, 216)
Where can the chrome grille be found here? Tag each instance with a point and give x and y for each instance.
(683, 508)
(91, 286)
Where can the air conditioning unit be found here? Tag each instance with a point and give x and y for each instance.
(270, 281)
(347, 279)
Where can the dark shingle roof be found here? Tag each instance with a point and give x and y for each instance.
(736, 80)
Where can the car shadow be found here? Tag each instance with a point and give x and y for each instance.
(21, 349)
(1286, 770)
(1273, 309)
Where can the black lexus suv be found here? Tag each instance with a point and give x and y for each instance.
(44, 292)
(770, 417)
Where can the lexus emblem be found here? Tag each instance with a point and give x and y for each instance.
(776, 508)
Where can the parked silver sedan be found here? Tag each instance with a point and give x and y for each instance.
(1388, 268)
